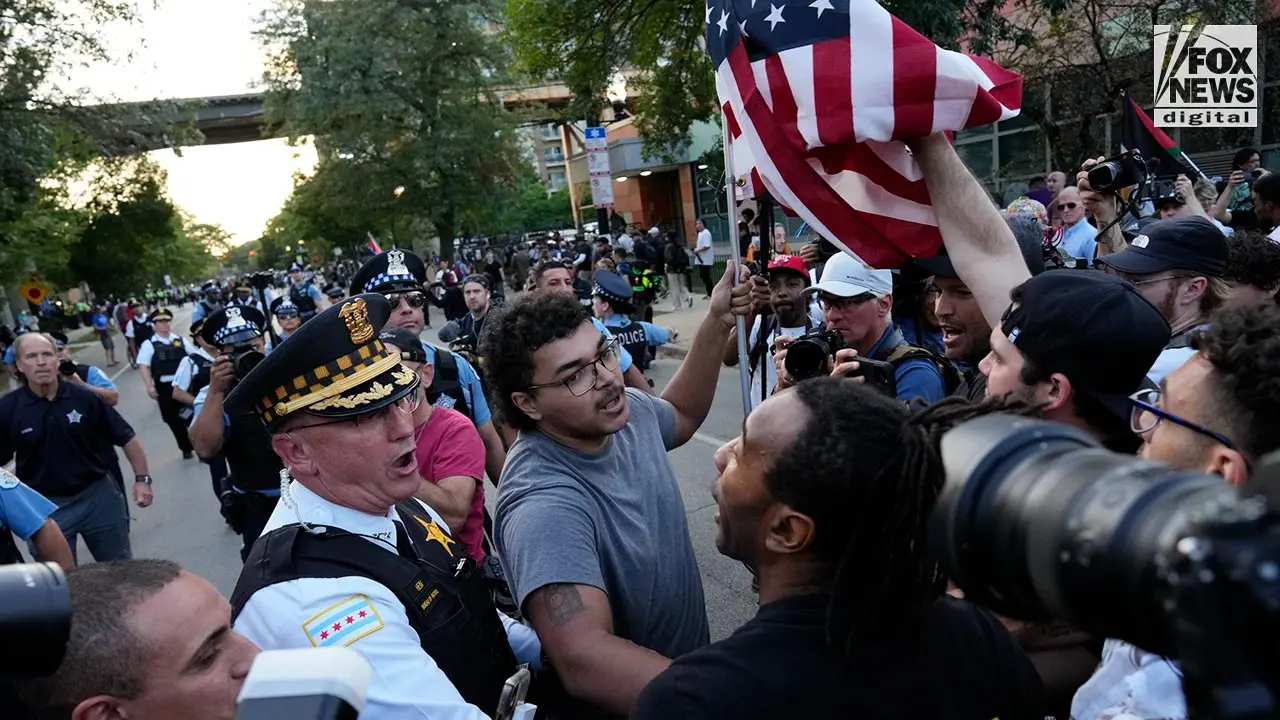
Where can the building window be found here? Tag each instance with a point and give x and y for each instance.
(553, 155)
(549, 132)
(556, 180)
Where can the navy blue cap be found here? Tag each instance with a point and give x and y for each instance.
(1094, 328)
(283, 305)
(390, 271)
(233, 324)
(612, 287)
(1187, 243)
(406, 342)
(333, 366)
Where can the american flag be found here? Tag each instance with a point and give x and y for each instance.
(374, 247)
(817, 97)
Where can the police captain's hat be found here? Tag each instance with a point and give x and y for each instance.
(333, 366)
(233, 324)
(612, 288)
(334, 291)
(161, 314)
(196, 326)
(283, 305)
(390, 271)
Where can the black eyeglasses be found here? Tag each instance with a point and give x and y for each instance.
(1147, 414)
(415, 299)
(581, 381)
(409, 403)
(1067, 206)
(833, 302)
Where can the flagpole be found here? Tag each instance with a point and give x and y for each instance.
(730, 189)
(1193, 165)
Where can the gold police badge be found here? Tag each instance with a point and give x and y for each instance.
(356, 315)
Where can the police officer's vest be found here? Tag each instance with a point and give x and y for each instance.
(254, 465)
(448, 382)
(209, 308)
(632, 338)
(306, 304)
(166, 357)
(443, 593)
(142, 331)
(200, 378)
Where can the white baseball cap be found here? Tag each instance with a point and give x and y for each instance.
(846, 276)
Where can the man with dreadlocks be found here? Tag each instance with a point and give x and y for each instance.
(827, 494)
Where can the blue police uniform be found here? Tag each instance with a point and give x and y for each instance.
(22, 511)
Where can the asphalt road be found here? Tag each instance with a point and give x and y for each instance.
(184, 525)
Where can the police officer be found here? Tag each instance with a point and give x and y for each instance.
(349, 558)
(334, 292)
(192, 377)
(286, 315)
(158, 360)
(611, 303)
(399, 275)
(236, 335)
(244, 296)
(303, 292)
(138, 329)
(211, 303)
(29, 515)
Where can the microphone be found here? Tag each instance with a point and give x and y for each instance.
(450, 332)
(305, 684)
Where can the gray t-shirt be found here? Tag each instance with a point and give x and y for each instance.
(613, 519)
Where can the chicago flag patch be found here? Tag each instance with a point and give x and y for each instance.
(343, 623)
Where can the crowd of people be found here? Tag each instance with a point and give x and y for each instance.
(355, 459)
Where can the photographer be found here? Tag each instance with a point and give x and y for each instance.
(149, 641)
(1236, 205)
(854, 620)
(791, 317)
(237, 333)
(193, 377)
(856, 304)
(1178, 266)
(91, 375)
(476, 292)
(1215, 414)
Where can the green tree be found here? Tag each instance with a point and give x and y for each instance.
(523, 206)
(410, 133)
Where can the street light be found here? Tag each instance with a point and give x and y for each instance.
(302, 242)
(398, 191)
(621, 179)
(646, 173)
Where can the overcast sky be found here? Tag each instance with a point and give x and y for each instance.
(200, 48)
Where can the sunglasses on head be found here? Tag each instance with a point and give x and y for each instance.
(1067, 206)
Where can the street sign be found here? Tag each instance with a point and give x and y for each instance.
(596, 137)
(33, 293)
(602, 190)
(597, 162)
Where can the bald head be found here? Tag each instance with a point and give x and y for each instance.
(20, 344)
(36, 358)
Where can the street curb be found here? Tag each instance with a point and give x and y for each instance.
(673, 351)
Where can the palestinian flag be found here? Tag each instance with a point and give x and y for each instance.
(1163, 156)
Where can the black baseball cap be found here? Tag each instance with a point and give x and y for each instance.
(1029, 234)
(1186, 243)
(1095, 328)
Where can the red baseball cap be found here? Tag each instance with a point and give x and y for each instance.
(794, 263)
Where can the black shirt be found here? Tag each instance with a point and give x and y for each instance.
(61, 443)
(967, 667)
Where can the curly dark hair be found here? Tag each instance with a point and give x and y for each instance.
(868, 473)
(1255, 260)
(510, 339)
(1243, 345)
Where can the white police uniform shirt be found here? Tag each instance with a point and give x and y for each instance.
(186, 371)
(406, 681)
(147, 349)
(1133, 684)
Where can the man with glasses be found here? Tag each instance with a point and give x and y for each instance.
(1079, 238)
(399, 276)
(1178, 265)
(591, 527)
(857, 302)
(303, 292)
(348, 558)
(287, 316)
(218, 433)
(1214, 414)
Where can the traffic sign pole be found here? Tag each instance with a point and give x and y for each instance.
(601, 179)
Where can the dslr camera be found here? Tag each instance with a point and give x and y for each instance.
(244, 358)
(807, 355)
(1038, 522)
(261, 280)
(1119, 172)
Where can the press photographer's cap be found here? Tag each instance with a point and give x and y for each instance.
(846, 276)
(233, 324)
(1095, 328)
(333, 366)
(1187, 243)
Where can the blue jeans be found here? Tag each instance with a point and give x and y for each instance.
(99, 513)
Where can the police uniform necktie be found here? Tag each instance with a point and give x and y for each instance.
(403, 544)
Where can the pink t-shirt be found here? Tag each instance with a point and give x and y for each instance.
(450, 446)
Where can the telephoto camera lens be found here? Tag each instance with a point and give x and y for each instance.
(35, 619)
(807, 355)
(243, 361)
(1038, 522)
